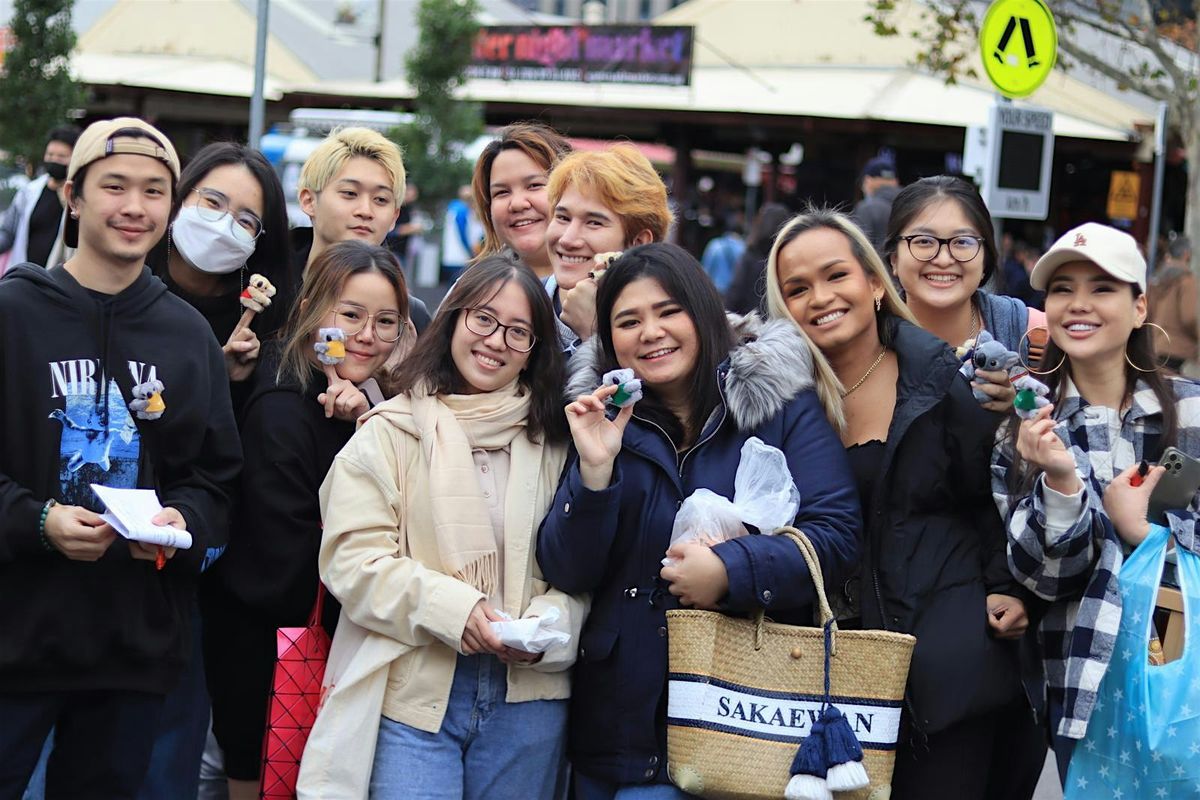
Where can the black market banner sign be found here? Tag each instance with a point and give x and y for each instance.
(660, 55)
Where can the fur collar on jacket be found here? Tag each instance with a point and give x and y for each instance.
(769, 365)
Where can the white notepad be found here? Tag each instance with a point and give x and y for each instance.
(129, 511)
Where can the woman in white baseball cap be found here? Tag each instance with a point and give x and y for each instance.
(1068, 480)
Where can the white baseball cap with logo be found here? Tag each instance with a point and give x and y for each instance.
(1111, 250)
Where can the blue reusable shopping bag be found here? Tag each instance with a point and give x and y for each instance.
(1143, 738)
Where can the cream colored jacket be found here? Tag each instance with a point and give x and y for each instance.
(380, 560)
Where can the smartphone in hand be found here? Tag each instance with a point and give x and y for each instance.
(1177, 487)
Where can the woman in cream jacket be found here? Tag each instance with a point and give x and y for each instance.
(430, 516)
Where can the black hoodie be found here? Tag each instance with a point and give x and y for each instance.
(69, 360)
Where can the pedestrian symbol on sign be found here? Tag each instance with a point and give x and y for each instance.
(1018, 43)
(1001, 52)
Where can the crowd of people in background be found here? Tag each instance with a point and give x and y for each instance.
(431, 471)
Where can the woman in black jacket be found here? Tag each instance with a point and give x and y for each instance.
(294, 423)
(935, 561)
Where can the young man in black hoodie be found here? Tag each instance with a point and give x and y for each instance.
(92, 633)
(351, 187)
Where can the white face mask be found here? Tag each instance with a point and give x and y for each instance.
(209, 245)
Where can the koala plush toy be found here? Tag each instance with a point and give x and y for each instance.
(990, 355)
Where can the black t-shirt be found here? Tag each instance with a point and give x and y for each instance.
(43, 227)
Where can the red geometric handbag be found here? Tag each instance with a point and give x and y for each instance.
(301, 654)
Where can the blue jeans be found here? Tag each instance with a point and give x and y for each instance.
(591, 789)
(486, 748)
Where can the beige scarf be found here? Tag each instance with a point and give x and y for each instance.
(449, 427)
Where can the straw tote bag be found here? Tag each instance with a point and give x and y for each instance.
(743, 694)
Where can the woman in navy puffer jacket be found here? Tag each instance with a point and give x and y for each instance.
(710, 385)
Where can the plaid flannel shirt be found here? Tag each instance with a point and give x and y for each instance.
(1077, 569)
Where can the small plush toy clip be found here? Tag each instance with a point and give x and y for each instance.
(629, 388)
(1031, 395)
(331, 349)
(255, 298)
(147, 402)
(603, 262)
(987, 354)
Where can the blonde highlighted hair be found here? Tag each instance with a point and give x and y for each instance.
(343, 144)
(322, 286)
(544, 145)
(829, 388)
(622, 179)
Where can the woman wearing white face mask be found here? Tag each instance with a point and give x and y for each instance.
(229, 221)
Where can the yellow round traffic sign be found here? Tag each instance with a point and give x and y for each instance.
(1018, 44)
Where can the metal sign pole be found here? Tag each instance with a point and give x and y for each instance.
(1160, 157)
(257, 102)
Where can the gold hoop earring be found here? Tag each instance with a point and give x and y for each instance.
(1025, 364)
(1166, 355)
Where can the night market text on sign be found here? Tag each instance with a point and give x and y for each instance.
(649, 54)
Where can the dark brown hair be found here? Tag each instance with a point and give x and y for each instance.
(914, 198)
(685, 282)
(537, 140)
(431, 364)
(1139, 349)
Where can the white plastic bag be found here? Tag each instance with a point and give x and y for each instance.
(531, 634)
(765, 496)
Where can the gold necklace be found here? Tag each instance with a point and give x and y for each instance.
(974, 333)
(867, 374)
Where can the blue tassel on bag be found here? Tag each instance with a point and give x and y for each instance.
(830, 757)
(844, 754)
(809, 768)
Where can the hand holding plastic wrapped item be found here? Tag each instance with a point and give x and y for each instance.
(532, 634)
(764, 495)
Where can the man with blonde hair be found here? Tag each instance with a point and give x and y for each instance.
(352, 187)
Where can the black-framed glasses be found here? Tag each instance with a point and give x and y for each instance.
(924, 247)
(214, 205)
(353, 319)
(481, 323)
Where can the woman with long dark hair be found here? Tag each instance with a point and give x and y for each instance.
(229, 221)
(1068, 479)
(431, 514)
(709, 386)
(934, 566)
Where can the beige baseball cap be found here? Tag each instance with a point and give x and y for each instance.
(1111, 250)
(109, 137)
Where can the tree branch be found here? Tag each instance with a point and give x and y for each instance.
(1157, 91)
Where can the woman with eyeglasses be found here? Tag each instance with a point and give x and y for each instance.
(942, 251)
(229, 221)
(267, 578)
(431, 513)
(934, 564)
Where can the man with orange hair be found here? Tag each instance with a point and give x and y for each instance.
(602, 202)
